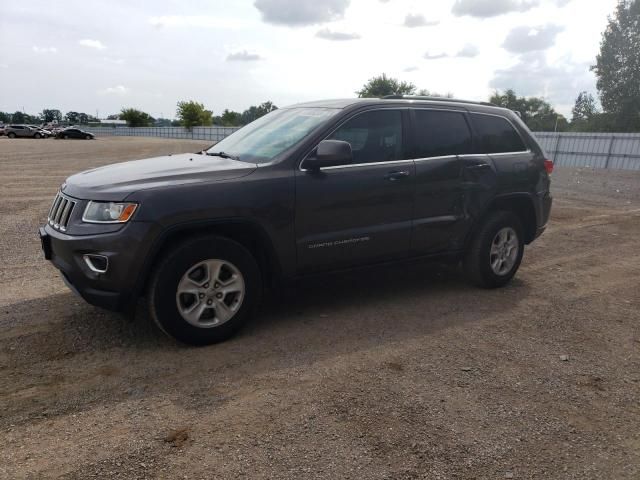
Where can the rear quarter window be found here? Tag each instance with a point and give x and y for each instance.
(496, 135)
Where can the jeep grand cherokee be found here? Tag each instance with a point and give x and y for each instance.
(315, 187)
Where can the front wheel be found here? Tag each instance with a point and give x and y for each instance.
(37, 135)
(205, 290)
(11, 135)
(65, 137)
(496, 251)
(88, 137)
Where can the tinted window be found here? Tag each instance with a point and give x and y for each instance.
(441, 133)
(374, 136)
(496, 135)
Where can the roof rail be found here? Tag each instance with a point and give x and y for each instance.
(436, 99)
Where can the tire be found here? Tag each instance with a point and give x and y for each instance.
(189, 264)
(88, 137)
(491, 261)
(11, 135)
(37, 135)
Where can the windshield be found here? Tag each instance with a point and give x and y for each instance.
(262, 140)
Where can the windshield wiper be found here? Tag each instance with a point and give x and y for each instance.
(222, 155)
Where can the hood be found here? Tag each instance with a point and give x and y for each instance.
(115, 182)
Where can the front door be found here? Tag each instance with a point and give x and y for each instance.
(359, 213)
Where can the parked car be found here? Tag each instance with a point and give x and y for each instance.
(75, 133)
(43, 131)
(27, 131)
(1, 130)
(311, 188)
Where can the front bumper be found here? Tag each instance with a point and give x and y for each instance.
(125, 249)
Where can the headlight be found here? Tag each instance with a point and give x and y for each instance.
(108, 212)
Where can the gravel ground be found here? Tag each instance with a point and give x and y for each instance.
(399, 372)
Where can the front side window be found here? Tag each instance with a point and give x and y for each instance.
(268, 136)
(496, 135)
(440, 133)
(374, 136)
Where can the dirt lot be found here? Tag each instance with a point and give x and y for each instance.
(402, 372)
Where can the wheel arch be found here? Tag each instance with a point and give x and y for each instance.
(248, 233)
(521, 204)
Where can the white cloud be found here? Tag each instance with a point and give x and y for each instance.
(468, 51)
(301, 12)
(533, 75)
(327, 34)
(418, 20)
(87, 42)
(38, 49)
(435, 56)
(527, 39)
(243, 56)
(196, 21)
(117, 90)
(491, 8)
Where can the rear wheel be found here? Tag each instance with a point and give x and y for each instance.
(496, 251)
(205, 290)
(65, 137)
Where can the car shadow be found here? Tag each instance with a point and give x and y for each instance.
(319, 318)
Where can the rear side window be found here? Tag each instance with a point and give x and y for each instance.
(440, 133)
(496, 135)
(374, 136)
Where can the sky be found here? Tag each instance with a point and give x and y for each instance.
(100, 56)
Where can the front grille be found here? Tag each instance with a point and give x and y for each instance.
(60, 212)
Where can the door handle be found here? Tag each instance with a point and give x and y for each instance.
(393, 176)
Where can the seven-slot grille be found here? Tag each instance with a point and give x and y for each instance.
(60, 212)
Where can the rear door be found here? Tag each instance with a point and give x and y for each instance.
(359, 213)
(439, 138)
(511, 162)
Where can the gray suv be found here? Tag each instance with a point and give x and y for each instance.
(13, 131)
(311, 188)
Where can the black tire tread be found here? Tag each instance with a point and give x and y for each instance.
(474, 266)
(193, 243)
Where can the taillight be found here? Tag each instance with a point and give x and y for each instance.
(548, 166)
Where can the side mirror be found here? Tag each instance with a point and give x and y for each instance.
(330, 153)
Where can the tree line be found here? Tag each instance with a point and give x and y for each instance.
(189, 114)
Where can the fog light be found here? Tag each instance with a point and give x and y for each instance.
(96, 263)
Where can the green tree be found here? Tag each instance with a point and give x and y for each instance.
(136, 118)
(585, 116)
(585, 107)
(18, 117)
(423, 92)
(71, 117)
(230, 118)
(537, 113)
(5, 117)
(193, 114)
(51, 114)
(618, 66)
(254, 112)
(381, 86)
